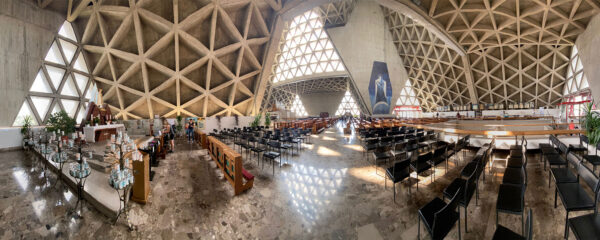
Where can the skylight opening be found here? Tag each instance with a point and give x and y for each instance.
(348, 105)
(298, 107)
(59, 82)
(305, 50)
(576, 79)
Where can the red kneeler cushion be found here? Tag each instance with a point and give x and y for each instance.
(248, 176)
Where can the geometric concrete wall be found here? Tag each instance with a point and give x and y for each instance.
(363, 40)
(62, 83)
(27, 32)
(589, 53)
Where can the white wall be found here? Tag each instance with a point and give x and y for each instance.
(374, 43)
(228, 122)
(322, 102)
(10, 137)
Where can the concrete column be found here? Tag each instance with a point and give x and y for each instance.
(587, 43)
(364, 39)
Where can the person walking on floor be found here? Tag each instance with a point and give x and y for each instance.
(190, 130)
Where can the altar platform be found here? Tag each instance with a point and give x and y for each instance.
(101, 132)
(505, 131)
(97, 190)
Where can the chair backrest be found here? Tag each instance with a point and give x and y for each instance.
(584, 138)
(439, 151)
(444, 216)
(401, 163)
(573, 160)
(387, 139)
(529, 225)
(424, 157)
(524, 174)
(400, 146)
(471, 184)
(589, 178)
(563, 148)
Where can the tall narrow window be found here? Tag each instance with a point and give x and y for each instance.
(298, 107)
(408, 97)
(348, 105)
(305, 49)
(62, 83)
(576, 80)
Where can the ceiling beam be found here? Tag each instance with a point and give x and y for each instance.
(409, 9)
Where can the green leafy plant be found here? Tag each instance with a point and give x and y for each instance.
(27, 122)
(256, 121)
(591, 124)
(267, 119)
(179, 126)
(62, 122)
(96, 120)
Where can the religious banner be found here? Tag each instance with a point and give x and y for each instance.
(380, 88)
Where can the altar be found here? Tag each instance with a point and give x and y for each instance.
(101, 132)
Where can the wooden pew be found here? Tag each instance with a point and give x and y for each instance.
(230, 163)
(201, 138)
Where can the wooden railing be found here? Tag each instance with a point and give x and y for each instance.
(230, 163)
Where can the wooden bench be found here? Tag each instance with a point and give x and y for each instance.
(201, 138)
(230, 163)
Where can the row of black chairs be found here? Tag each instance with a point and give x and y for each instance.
(440, 217)
(567, 170)
(404, 163)
(574, 196)
(511, 193)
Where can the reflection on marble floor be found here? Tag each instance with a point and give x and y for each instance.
(328, 191)
(310, 189)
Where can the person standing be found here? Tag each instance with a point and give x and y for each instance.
(190, 130)
(169, 134)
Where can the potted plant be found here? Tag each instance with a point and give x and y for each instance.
(267, 119)
(62, 122)
(26, 128)
(591, 124)
(256, 121)
(179, 127)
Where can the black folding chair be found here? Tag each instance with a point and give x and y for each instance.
(466, 188)
(398, 172)
(573, 195)
(439, 218)
(503, 233)
(511, 199)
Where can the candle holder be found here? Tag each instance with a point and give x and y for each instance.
(121, 176)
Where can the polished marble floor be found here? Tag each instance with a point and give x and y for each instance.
(328, 191)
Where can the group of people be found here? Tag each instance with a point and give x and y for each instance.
(170, 130)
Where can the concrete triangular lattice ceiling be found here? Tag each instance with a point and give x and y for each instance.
(435, 70)
(170, 58)
(517, 50)
(62, 82)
